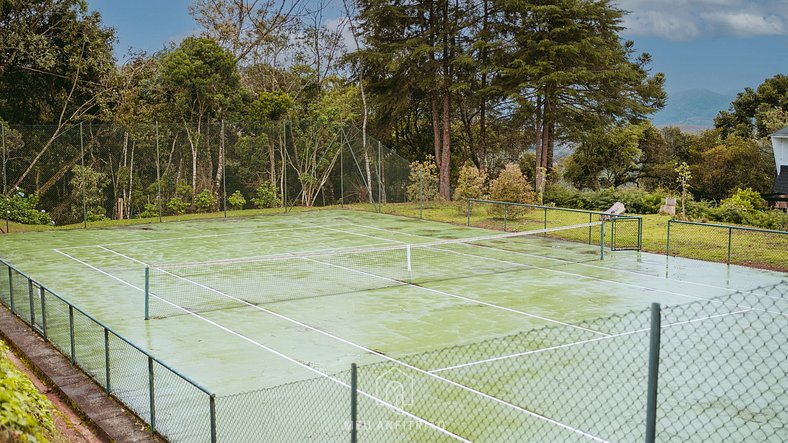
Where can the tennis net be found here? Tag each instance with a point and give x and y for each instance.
(254, 281)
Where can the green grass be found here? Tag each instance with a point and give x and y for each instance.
(768, 251)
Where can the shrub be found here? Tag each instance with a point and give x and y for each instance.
(510, 186)
(205, 201)
(177, 205)
(236, 200)
(469, 185)
(265, 195)
(744, 200)
(21, 208)
(636, 201)
(423, 181)
(150, 210)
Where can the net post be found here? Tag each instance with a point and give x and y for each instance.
(602, 240)
(11, 289)
(212, 412)
(32, 306)
(147, 292)
(653, 373)
(42, 295)
(152, 396)
(469, 212)
(106, 359)
(667, 244)
(730, 235)
(421, 192)
(353, 403)
(71, 332)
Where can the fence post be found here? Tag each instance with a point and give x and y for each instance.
(730, 235)
(505, 215)
(106, 358)
(42, 294)
(152, 395)
(341, 175)
(613, 233)
(653, 373)
(380, 183)
(469, 212)
(602, 241)
(71, 332)
(158, 172)
(212, 408)
(589, 228)
(32, 305)
(147, 292)
(11, 289)
(82, 159)
(421, 193)
(545, 223)
(640, 234)
(224, 171)
(353, 403)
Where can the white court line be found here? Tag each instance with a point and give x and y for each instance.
(647, 288)
(257, 231)
(363, 348)
(582, 263)
(472, 300)
(582, 342)
(273, 351)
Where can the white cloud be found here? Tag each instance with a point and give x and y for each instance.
(687, 19)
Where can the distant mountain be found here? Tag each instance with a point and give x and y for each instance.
(693, 110)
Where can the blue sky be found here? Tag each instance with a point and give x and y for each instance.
(720, 45)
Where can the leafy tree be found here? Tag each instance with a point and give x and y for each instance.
(753, 109)
(470, 184)
(265, 195)
(205, 201)
(510, 186)
(735, 163)
(88, 185)
(423, 181)
(237, 201)
(684, 174)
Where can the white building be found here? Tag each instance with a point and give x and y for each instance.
(779, 195)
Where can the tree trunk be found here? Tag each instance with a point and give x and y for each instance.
(436, 129)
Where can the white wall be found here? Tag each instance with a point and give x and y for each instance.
(780, 145)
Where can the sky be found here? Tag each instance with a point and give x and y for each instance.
(719, 45)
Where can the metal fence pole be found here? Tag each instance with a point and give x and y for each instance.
(158, 172)
(71, 332)
(602, 241)
(613, 234)
(224, 171)
(505, 214)
(545, 223)
(147, 292)
(11, 289)
(353, 403)
(380, 184)
(730, 235)
(32, 306)
(421, 192)
(5, 181)
(106, 358)
(42, 294)
(341, 175)
(469, 212)
(653, 373)
(667, 244)
(640, 234)
(589, 228)
(152, 394)
(212, 411)
(84, 177)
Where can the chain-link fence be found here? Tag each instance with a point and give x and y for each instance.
(739, 245)
(708, 370)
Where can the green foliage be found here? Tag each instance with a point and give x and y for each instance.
(744, 200)
(754, 112)
(470, 184)
(21, 208)
(150, 210)
(265, 196)
(735, 163)
(705, 211)
(268, 106)
(423, 181)
(205, 201)
(510, 186)
(24, 412)
(636, 201)
(236, 201)
(684, 174)
(177, 206)
(88, 184)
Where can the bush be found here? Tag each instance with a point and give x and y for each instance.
(236, 201)
(469, 185)
(423, 181)
(636, 201)
(205, 201)
(25, 414)
(21, 208)
(510, 186)
(744, 200)
(177, 205)
(265, 195)
(151, 210)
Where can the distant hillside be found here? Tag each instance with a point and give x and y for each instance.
(693, 110)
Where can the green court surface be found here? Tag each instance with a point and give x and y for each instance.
(275, 304)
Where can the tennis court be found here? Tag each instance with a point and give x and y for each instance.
(450, 325)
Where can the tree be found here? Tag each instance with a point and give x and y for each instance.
(752, 110)
(684, 174)
(735, 163)
(570, 72)
(200, 81)
(88, 188)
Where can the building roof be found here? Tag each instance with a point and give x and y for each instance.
(781, 182)
(781, 133)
